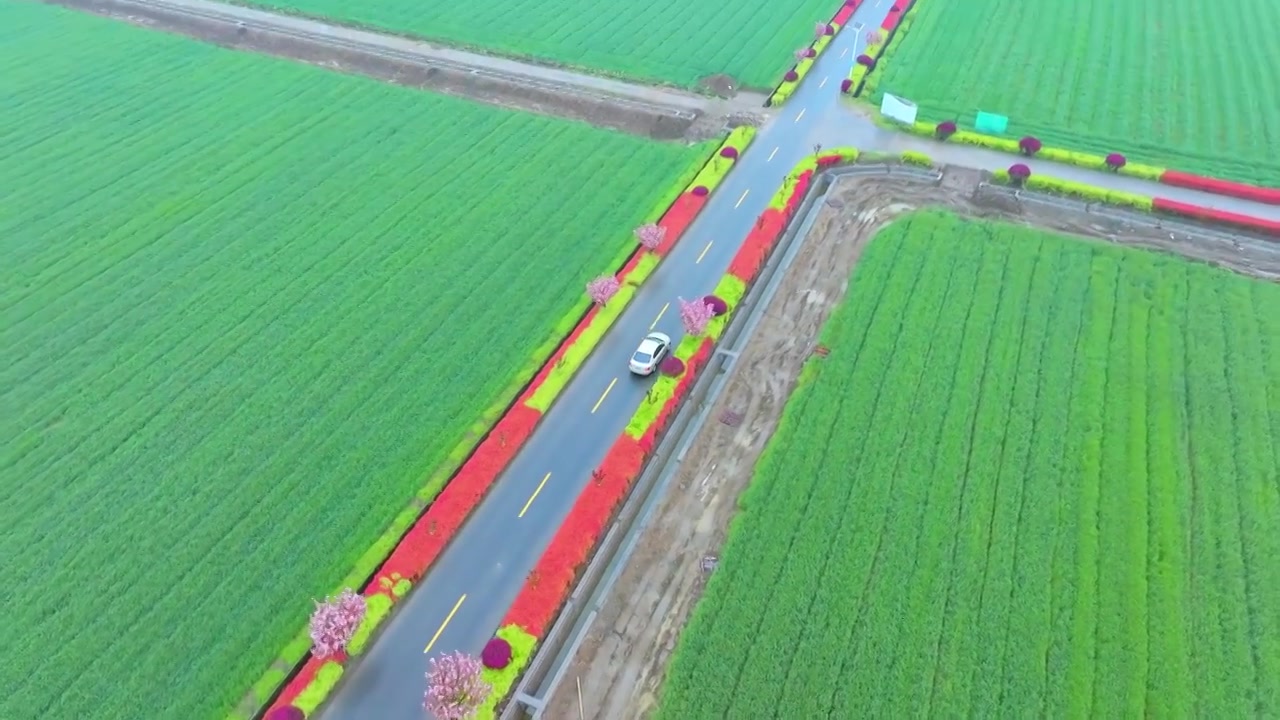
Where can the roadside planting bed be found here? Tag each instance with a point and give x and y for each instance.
(552, 580)
(416, 539)
(667, 41)
(1032, 476)
(1039, 63)
(248, 324)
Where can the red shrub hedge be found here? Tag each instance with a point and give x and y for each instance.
(846, 11)
(1199, 212)
(547, 586)
(298, 683)
(750, 257)
(1271, 196)
(429, 535)
(679, 217)
(650, 439)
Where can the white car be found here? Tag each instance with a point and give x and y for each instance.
(652, 350)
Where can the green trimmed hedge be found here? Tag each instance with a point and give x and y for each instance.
(1079, 191)
(577, 353)
(1009, 145)
(663, 389)
(377, 608)
(714, 172)
(911, 157)
(731, 290)
(787, 88)
(319, 688)
(502, 681)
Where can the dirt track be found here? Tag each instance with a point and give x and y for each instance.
(621, 662)
(695, 118)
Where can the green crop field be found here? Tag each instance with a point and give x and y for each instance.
(248, 306)
(1035, 477)
(1176, 83)
(666, 41)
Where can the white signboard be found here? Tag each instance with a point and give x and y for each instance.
(896, 108)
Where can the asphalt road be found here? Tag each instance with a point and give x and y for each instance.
(460, 602)
(464, 597)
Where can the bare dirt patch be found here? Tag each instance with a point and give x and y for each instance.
(649, 120)
(622, 661)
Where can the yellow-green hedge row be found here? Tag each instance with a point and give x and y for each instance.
(522, 646)
(787, 88)
(1010, 145)
(1080, 191)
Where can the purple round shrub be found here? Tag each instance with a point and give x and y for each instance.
(496, 654)
(846, 85)
(1019, 172)
(1115, 161)
(867, 61)
(729, 152)
(945, 129)
(791, 76)
(718, 305)
(829, 30)
(1029, 145)
(285, 712)
(671, 366)
(700, 191)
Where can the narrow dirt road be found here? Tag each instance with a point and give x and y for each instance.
(622, 661)
(659, 112)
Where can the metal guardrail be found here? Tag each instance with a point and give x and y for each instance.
(1256, 253)
(524, 81)
(551, 661)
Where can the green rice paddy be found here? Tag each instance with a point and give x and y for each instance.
(1178, 83)
(248, 306)
(1034, 477)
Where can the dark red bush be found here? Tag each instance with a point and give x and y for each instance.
(791, 76)
(867, 61)
(1115, 161)
(945, 129)
(829, 30)
(729, 152)
(671, 365)
(496, 654)
(1029, 145)
(810, 52)
(285, 712)
(1019, 172)
(700, 190)
(718, 305)
(846, 85)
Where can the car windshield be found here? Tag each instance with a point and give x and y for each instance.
(642, 356)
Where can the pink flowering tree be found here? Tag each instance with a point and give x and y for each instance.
(650, 236)
(334, 622)
(455, 689)
(695, 315)
(602, 289)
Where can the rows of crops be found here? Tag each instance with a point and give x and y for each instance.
(1106, 76)
(665, 41)
(1034, 478)
(248, 305)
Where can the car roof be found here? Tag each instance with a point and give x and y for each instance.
(656, 337)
